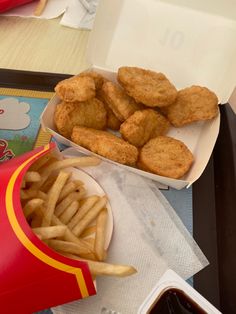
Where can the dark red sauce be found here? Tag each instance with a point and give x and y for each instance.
(175, 301)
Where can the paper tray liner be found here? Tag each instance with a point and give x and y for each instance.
(33, 277)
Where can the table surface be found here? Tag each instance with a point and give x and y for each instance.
(42, 45)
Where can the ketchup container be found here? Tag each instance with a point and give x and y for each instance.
(172, 295)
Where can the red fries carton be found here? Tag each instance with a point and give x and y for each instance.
(32, 276)
(6, 5)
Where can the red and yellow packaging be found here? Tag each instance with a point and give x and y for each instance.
(32, 276)
(6, 5)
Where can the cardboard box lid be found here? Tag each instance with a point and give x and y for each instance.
(192, 42)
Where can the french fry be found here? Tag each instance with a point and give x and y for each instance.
(40, 162)
(61, 164)
(100, 235)
(90, 243)
(100, 268)
(40, 7)
(90, 216)
(50, 232)
(69, 247)
(69, 236)
(27, 194)
(90, 256)
(87, 205)
(74, 196)
(68, 188)
(36, 221)
(51, 161)
(48, 183)
(88, 231)
(69, 212)
(53, 197)
(31, 206)
(86, 161)
(32, 176)
(78, 182)
(42, 195)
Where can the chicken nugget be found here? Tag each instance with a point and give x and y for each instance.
(118, 101)
(194, 103)
(144, 125)
(90, 113)
(98, 78)
(166, 157)
(148, 87)
(112, 121)
(105, 144)
(76, 88)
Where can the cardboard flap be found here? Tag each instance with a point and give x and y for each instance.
(191, 44)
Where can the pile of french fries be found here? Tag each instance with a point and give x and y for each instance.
(64, 217)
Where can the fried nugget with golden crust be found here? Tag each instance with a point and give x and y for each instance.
(90, 113)
(148, 87)
(98, 78)
(112, 121)
(76, 88)
(166, 157)
(118, 101)
(194, 103)
(105, 144)
(144, 125)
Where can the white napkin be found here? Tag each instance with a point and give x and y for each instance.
(76, 13)
(80, 14)
(147, 234)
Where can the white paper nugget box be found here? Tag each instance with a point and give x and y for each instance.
(191, 42)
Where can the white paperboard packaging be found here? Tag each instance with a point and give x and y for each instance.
(191, 42)
(171, 280)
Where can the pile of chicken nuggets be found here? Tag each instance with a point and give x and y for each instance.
(142, 105)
